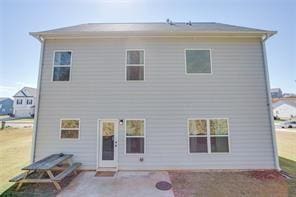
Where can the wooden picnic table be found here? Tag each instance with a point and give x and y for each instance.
(47, 165)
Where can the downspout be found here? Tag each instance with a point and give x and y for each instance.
(35, 127)
(269, 103)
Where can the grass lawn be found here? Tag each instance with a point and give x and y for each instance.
(15, 151)
(289, 166)
(286, 142)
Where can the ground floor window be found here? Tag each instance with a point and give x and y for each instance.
(135, 136)
(69, 129)
(219, 135)
(208, 135)
(198, 136)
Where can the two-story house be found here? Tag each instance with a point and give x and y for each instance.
(147, 96)
(24, 102)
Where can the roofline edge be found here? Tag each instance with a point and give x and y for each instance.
(42, 36)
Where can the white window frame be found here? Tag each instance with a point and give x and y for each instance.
(60, 133)
(54, 66)
(198, 49)
(126, 65)
(208, 136)
(125, 136)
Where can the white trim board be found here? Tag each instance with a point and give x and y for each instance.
(35, 126)
(269, 106)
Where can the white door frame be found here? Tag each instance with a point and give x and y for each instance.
(112, 163)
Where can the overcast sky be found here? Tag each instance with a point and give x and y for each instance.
(19, 52)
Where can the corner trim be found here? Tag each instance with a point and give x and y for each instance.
(34, 136)
(269, 105)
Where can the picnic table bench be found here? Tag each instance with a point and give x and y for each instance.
(47, 165)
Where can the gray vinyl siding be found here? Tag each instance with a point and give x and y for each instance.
(166, 99)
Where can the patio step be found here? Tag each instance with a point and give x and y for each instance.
(107, 169)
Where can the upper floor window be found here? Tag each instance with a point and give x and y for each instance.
(198, 61)
(19, 101)
(29, 102)
(62, 66)
(135, 65)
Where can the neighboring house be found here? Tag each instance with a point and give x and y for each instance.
(24, 102)
(152, 96)
(284, 109)
(276, 93)
(6, 106)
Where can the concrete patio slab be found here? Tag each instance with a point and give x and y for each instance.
(124, 183)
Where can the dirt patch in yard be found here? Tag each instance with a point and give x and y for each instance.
(228, 184)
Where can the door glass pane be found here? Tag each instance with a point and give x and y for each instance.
(108, 141)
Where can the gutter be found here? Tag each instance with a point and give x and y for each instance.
(141, 34)
(35, 126)
(269, 103)
(268, 35)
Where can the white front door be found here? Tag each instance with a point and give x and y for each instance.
(108, 147)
